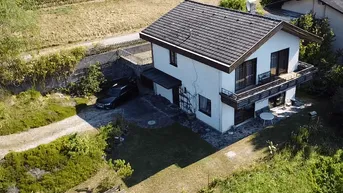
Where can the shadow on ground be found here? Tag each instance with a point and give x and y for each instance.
(152, 150)
(326, 134)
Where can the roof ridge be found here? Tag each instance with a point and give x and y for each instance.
(233, 10)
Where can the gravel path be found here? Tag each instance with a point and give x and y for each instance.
(85, 121)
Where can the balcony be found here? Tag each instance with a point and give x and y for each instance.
(266, 89)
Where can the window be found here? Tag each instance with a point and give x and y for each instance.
(246, 74)
(279, 62)
(173, 58)
(205, 105)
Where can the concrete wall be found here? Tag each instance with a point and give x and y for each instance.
(112, 66)
(321, 11)
(197, 78)
(166, 93)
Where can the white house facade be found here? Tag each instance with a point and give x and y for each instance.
(262, 74)
(331, 9)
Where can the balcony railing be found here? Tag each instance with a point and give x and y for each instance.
(280, 84)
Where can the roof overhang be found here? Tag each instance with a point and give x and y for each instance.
(161, 78)
(289, 28)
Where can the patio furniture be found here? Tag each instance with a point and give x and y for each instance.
(267, 116)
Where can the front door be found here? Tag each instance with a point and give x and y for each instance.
(277, 100)
(244, 114)
(176, 96)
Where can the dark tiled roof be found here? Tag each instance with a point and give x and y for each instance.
(218, 37)
(335, 4)
(213, 32)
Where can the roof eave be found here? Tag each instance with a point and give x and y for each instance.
(198, 57)
(302, 34)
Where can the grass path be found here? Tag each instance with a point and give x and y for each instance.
(197, 175)
(85, 121)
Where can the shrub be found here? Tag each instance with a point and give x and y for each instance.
(234, 4)
(36, 71)
(122, 168)
(88, 84)
(337, 101)
(66, 162)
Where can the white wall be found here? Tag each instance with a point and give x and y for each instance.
(197, 77)
(290, 94)
(166, 93)
(261, 104)
(228, 118)
(335, 17)
(281, 40)
(336, 22)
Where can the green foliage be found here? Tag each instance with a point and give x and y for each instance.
(46, 3)
(337, 101)
(30, 110)
(89, 83)
(321, 55)
(234, 4)
(122, 168)
(17, 30)
(67, 162)
(56, 66)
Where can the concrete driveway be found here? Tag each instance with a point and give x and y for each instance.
(138, 111)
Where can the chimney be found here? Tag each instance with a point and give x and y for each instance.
(251, 6)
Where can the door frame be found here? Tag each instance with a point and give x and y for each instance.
(176, 96)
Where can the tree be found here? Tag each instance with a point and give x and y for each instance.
(17, 28)
(321, 55)
(234, 4)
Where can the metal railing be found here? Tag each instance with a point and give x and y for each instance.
(280, 84)
(132, 57)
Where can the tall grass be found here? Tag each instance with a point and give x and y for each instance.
(30, 109)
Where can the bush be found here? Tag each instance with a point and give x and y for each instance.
(234, 4)
(36, 71)
(66, 162)
(337, 101)
(88, 84)
(122, 168)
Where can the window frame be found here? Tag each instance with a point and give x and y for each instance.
(173, 58)
(242, 69)
(208, 102)
(276, 57)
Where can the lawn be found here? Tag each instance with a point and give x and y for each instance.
(93, 20)
(30, 110)
(152, 150)
(309, 156)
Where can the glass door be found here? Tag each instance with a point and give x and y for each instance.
(245, 74)
(244, 114)
(279, 62)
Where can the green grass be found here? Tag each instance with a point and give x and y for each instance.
(152, 150)
(66, 162)
(308, 159)
(30, 110)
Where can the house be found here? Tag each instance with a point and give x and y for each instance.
(224, 65)
(331, 9)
